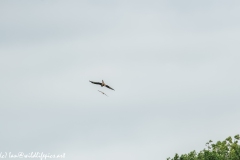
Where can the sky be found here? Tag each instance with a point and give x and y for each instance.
(174, 66)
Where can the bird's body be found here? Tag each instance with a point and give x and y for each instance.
(103, 93)
(102, 84)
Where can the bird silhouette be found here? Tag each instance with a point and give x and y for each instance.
(103, 93)
(102, 84)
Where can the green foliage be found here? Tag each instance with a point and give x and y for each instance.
(229, 149)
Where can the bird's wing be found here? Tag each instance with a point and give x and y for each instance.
(109, 87)
(100, 91)
(95, 82)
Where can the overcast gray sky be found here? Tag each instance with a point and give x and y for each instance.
(174, 66)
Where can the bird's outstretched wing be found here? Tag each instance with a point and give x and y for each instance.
(109, 87)
(95, 82)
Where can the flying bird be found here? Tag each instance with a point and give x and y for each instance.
(102, 93)
(102, 84)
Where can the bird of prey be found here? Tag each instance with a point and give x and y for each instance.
(102, 93)
(102, 84)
